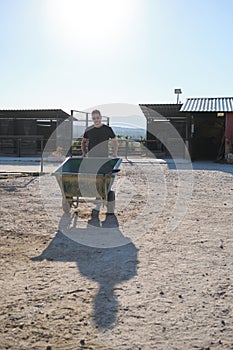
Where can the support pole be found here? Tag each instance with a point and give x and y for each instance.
(41, 159)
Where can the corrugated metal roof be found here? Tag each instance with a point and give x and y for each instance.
(208, 104)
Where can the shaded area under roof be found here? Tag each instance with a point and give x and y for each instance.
(208, 104)
(33, 114)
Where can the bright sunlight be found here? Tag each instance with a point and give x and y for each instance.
(91, 23)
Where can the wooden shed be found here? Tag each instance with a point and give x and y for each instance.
(24, 133)
(166, 128)
(212, 126)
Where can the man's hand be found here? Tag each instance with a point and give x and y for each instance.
(84, 148)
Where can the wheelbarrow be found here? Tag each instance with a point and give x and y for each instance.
(87, 180)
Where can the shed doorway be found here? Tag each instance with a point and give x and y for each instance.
(208, 136)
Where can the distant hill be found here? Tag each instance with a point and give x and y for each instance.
(134, 133)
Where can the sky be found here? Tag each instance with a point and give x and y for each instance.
(77, 54)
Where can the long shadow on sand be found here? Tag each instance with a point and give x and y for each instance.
(107, 266)
(12, 188)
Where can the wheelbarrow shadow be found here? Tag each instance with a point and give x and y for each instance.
(106, 266)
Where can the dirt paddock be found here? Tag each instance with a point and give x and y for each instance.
(163, 290)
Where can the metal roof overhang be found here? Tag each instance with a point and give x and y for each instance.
(161, 111)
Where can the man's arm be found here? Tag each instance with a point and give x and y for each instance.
(115, 147)
(84, 146)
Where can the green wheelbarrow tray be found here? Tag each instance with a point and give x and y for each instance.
(87, 179)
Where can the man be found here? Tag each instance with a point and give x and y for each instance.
(97, 137)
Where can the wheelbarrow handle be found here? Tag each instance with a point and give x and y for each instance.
(114, 171)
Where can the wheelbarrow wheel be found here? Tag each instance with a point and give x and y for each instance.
(65, 206)
(111, 202)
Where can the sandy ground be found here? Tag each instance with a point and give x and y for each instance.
(163, 290)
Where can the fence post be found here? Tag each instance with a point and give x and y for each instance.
(126, 149)
(19, 147)
(41, 159)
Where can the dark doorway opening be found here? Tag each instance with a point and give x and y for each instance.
(208, 136)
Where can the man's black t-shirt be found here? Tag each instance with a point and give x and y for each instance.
(98, 140)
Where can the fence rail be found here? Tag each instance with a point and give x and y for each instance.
(126, 147)
(21, 146)
(33, 146)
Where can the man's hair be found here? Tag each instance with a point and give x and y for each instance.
(96, 111)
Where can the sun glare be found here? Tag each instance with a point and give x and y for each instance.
(92, 23)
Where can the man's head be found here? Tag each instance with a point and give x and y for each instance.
(96, 117)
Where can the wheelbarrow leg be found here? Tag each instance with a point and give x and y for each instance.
(111, 202)
(65, 205)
